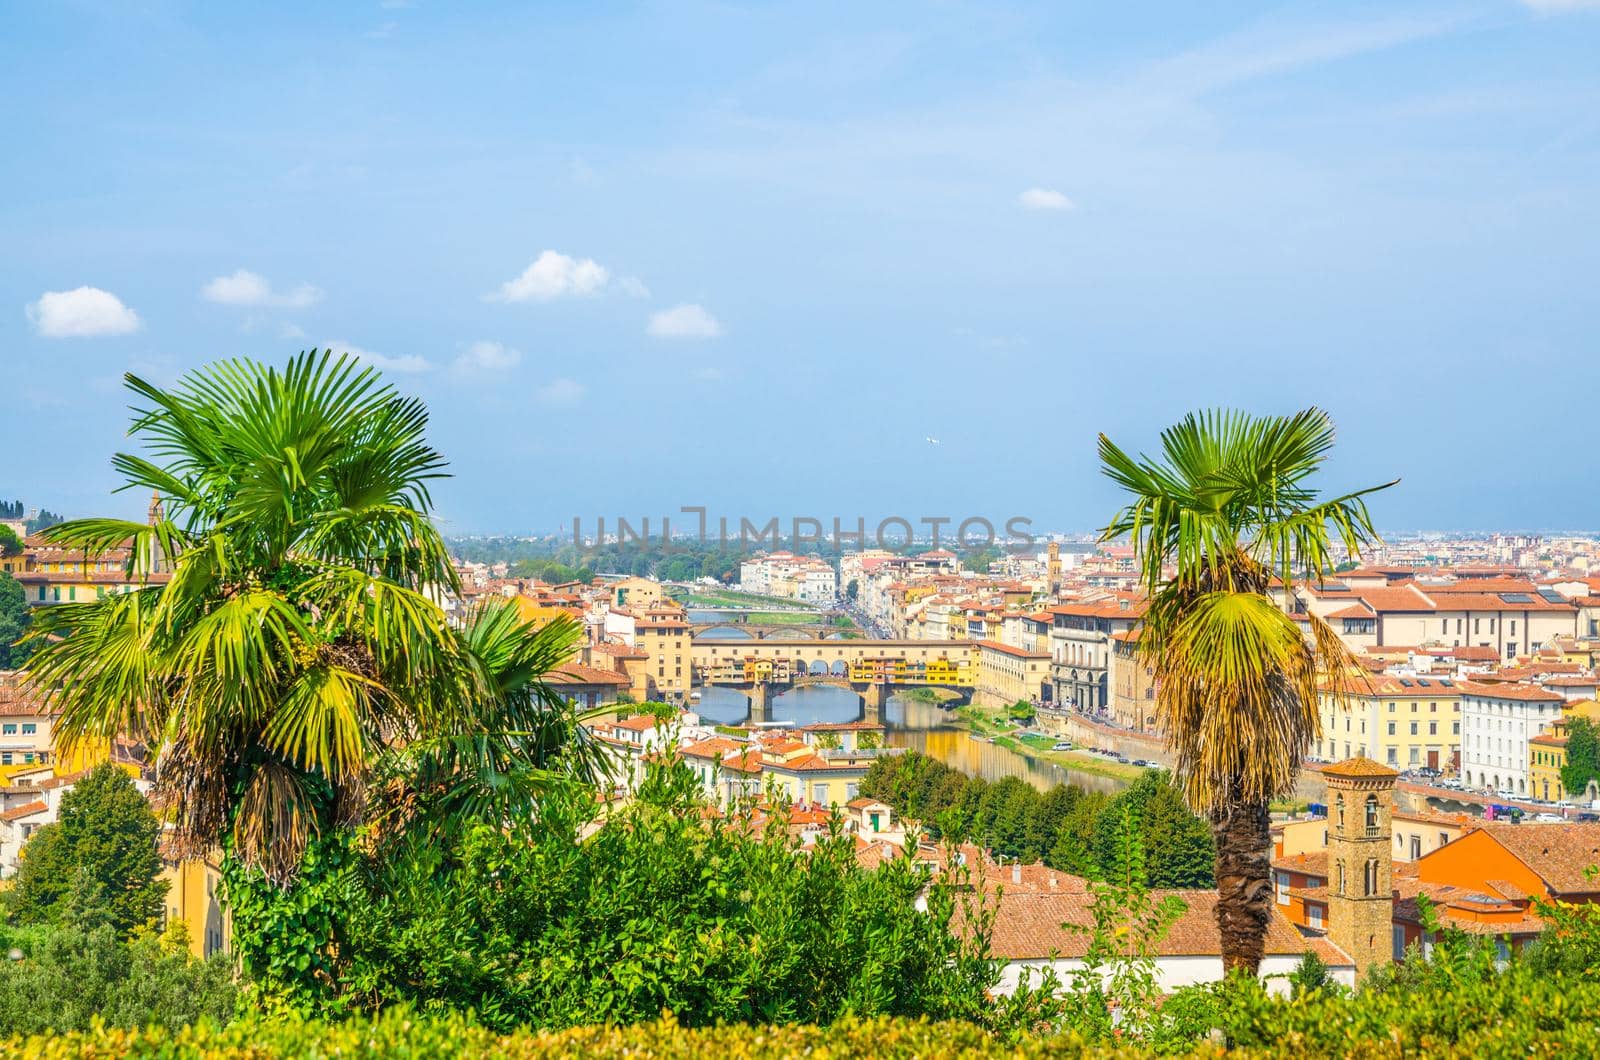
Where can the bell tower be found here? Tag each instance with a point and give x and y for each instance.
(1053, 568)
(1361, 860)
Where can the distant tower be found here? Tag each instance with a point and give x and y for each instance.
(1361, 861)
(1053, 570)
(154, 557)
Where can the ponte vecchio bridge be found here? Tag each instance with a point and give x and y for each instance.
(770, 666)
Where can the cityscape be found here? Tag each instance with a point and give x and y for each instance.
(890, 531)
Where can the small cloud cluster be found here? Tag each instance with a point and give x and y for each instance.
(83, 312)
(553, 275)
(246, 288)
(409, 363)
(1044, 199)
(484, 357)
(687, 321)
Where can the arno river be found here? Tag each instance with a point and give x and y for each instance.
(910, 723)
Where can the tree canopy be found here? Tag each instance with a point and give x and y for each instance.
(105, 833)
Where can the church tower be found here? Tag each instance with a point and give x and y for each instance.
(1053, 568)
(1361, 860)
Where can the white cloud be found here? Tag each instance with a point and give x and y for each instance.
(408, 363)
(553, 275)
(687, 321)
(81, 313)
(485, 356)
(1044, 199)
(246, 288)
(633, 287)
(1561, 7)
(561, 392)
(292, 331)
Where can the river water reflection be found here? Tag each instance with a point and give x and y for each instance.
(910, 723)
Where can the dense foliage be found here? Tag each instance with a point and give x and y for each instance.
(14, 621)
(105, 838)
(63, 976)
(661, 908)
(1583, 757)
(1067, 827)
(1518, 1015)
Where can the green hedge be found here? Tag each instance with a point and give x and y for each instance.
(1514, 1018)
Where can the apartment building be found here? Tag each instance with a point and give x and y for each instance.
(1400, 722)
(1498, 721)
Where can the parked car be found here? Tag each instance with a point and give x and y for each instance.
(1062, 746)
(1143, 764)
(1506, 793)
(1548, 818)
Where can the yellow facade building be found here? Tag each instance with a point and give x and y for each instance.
(1400, 722)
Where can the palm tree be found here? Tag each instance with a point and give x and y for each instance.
(1220, 522)
(287, 634)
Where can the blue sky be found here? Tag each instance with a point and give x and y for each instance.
(751, 256)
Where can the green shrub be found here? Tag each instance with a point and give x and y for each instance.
(62, 977)
(660, 909)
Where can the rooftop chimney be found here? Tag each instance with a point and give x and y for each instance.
(1016, 872)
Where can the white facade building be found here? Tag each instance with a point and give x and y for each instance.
(1497, 721)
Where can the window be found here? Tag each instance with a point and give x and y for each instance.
(1444, 838)
(1416, 847)
(1433, 728)
(1339, 876)
(9, 728)
(1413, 728)
(1369, 878)
(1372, 815)
(1314, 916)
(1283, 887)
(1391, 728)
(1338, 808)
(819, 794)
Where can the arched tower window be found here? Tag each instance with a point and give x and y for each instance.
(1338, 807)
(1370, 883)
(1372, 815)
(1339, 865)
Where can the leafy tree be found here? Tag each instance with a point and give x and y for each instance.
(72, 974)
(10, 543)
(106, 832)
(1583, 757)
(14, 620)
(1226, 509)
(852, 589)
(1177, 844)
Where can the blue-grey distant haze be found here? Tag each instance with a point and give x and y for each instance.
(753, 256)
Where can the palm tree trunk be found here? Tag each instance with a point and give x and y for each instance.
(1244, 883)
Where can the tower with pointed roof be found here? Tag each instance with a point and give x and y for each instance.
(1361, 860)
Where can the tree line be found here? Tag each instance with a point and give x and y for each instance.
(1067, 828)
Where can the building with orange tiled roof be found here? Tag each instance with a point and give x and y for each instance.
(1033, 931)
